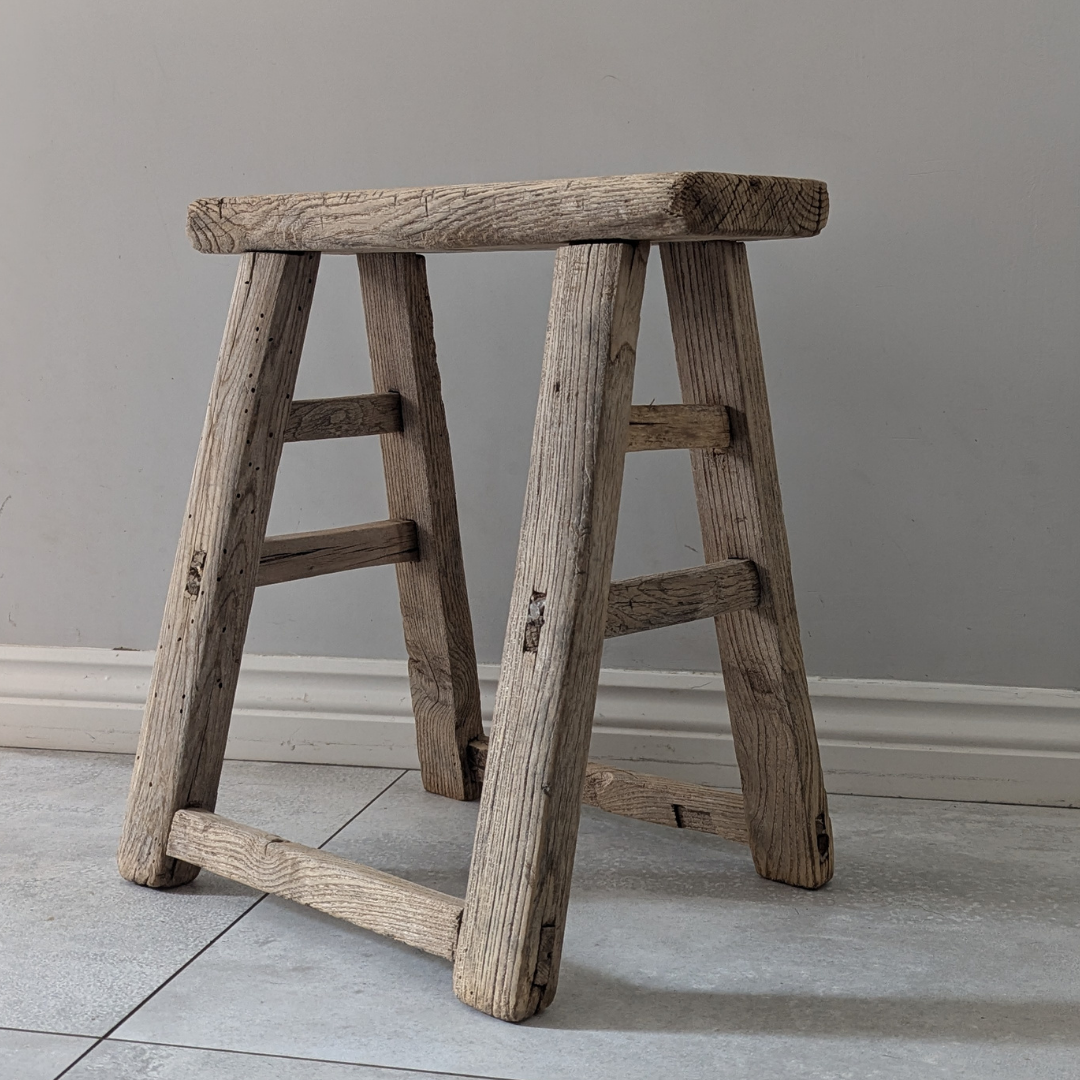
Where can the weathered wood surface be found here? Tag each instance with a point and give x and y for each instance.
(678, 427)
(343, 417)
(420, 488)
(514, 216)
(291, 556)
(651, 798)
(719, 360)
(679, 596)
(190, 698)
(389, 905)
(519, 882)
(666, 802)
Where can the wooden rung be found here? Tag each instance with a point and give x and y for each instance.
(666, 802)
(678, 596)
(651, 798)
(679, 427)
(389, 905)
(343, 417)
(302, 555)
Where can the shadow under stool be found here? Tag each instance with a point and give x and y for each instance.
(505, 937)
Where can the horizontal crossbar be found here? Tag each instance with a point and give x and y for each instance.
(302, 555)
(679, 427)
(343, 417)
(678, 596)
(389, 905)
(651, 798)
(515, 216)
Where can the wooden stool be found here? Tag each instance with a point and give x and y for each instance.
(505, 938)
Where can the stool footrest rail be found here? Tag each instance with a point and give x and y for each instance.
(392, 906)
(652, 798)
(292, 556)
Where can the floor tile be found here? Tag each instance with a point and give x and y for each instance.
(37, 1055)
(112, 1060)
(947, 946)
(79, 946)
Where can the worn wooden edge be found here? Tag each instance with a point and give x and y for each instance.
(678, 427)
(519, 215)
(343, 417)
(679, 596)
(291, 556)
(651, 798)
(388, 905)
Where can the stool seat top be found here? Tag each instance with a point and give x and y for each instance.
(673, 206)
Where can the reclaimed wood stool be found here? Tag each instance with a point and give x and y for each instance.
(505, 938)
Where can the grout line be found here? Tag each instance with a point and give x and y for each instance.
(319, 1060)
(373, 799)
(46, 1031)
(213, 941)
(153, 993)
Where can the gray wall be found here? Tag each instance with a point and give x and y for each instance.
(922, 353)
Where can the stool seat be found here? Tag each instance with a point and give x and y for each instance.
(672, 206)
(531, 772)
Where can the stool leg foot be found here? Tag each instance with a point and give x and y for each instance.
(738, 492)
(420, 487)
(508, 953)
(190, 698)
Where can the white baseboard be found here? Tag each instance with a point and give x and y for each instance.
(878, 737)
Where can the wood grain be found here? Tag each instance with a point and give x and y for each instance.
(389, 905)
(291, 556)
(666, 802)
(343, 417)
(679, 596)
(738, 492)
(190, 698)
(514, 216)
(519, 882)
(652, 798)
(678, 427)
(420, 488)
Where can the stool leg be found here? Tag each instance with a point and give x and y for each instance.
(420, 487)
(190, 699)
(507, 958)
(738, 493)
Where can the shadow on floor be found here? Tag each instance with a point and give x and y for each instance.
(592, 1001)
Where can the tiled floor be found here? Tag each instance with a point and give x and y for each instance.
(947, 946)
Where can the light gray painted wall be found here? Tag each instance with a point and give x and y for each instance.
(922, 353)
